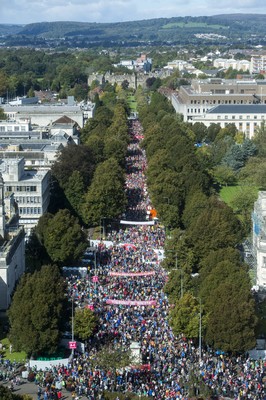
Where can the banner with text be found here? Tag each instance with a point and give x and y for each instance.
(148, 273)
(132, 302)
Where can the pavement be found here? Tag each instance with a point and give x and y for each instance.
(30, 388)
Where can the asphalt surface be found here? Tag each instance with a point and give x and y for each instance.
(30, 388)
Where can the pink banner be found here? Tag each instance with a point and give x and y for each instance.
(148, 273)
(132, 302)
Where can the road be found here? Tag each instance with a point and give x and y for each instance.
(31, 389)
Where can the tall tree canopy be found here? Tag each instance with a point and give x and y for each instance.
(63, 238)
(36, 311)
(106, 196)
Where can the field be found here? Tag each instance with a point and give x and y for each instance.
(13, 356)
(228, 193)
(132, 103)
(192, 25)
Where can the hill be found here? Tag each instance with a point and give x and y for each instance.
(231, 28)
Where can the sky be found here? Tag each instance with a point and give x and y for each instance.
(30, 11)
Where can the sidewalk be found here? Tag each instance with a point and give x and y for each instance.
(31, 389)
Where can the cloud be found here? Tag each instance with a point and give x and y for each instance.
(28, 11)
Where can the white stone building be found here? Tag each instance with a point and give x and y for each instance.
(204, 94)
(258, 63)
(247, 117)
(31, 190)
(225, 63)
(12, 249)
(259, 239)
(44, 115)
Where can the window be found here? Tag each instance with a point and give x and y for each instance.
(233, 117)
(264, 262)
(16, 129)
(2, 129)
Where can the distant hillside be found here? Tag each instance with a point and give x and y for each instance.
(9, 29)
(161, 30)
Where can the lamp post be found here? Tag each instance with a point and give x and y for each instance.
(181, 277)
(72, 326)
(102, 219)
(200, 330)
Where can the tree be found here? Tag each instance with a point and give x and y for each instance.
(64, 240)
(74, 158)
(112, 358)
(216, 227)
(35, 253)
(2, 114)
(106, 196)
(85, 322)
(125, 84)
(3, 83)
(36, 311)
(232, 319)
(74, 192)
(260, 139)
(200, 131)
(223, 175)
(196, 201)
(243, 204)
(185, 317)
(6, 394)
(254, 173)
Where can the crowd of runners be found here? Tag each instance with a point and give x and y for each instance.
(130, 304)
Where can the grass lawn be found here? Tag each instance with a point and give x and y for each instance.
(192, 25)
(132, 103)
(228, 193)
(14, 356)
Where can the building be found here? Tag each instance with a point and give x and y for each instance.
(259, 239)
(225, 63)
(12, 248)
(44, 115)
(142, 63)
(38, 154)
(31, 190)
(258, 63)
(66, 125)
(204, 94)
(247, 117)
(134, 80)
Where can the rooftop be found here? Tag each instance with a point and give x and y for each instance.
(238, 109)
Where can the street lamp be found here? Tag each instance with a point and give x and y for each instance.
(200, 330)
(102, 219)
(181, 277)
(72, 326)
